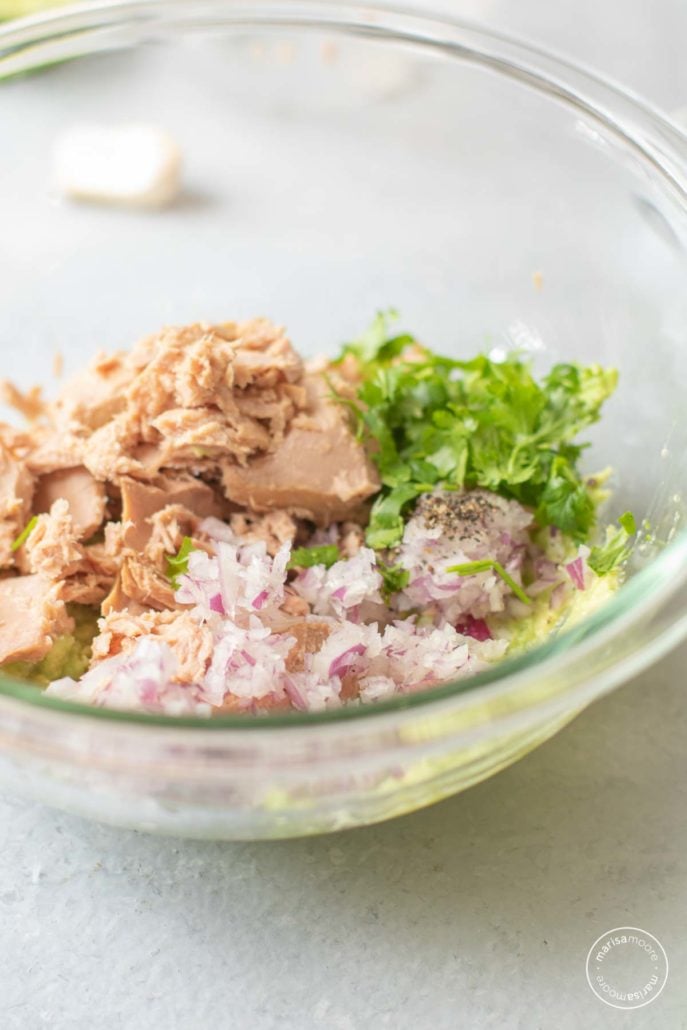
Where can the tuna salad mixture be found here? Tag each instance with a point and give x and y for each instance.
(208, 524)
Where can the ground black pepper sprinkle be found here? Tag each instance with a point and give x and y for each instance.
(456, 514)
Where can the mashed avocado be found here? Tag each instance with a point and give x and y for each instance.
(543, 620)
(536, 625)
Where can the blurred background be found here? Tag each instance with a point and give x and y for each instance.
(637, 42)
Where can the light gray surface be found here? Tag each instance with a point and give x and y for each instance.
(639, 43)
(476, 913)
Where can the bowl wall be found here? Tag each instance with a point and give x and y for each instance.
(336, 163)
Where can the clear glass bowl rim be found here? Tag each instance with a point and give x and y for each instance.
(84, 29)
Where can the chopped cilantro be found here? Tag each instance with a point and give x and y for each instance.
(470, 568)
(385, 528)
(177, 564)
(627, 522)
(25, 534)
(306, 557)
(394, 578)
(377, 343)
(616, 547)
(435, 421)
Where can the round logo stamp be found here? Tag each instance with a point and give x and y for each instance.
(627, 968)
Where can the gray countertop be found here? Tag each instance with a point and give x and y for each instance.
(478, 912)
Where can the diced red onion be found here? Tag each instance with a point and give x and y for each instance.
(575, 570)
(345, 660)
(294, 695)
(475, 628)
(245, 587)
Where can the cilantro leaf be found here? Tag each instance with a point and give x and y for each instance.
(306, 557)
(25, 534)
(394, 578)
(628, 523)
(177, 564)
(616, 548)
(385, 527)
(565, 502)
(376, 343)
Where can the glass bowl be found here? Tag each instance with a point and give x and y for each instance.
(340, 159)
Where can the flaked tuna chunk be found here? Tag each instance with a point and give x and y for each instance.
(109, 451)
(200, 365)
(28, 403)
(187, 367)
(85, 588)
(85, 496)
(18, 442)
(308, 631)
(93, 584)
(319, 471)
(310, 635)
(293, 604)
(192, 434)
(264, 355)
(140, 501)
(208, 391)
(53, 450)
(94, 396)
(106, 558)
(183, 398)
(16, 493)
(32, 616)
(350, 686)
(273, 407)
(274, 528)
(118, 601)
(190, 640)
(52, 548)
(153, 530)
(113, 543)
(168, 527)
(142, 579)
(145, 585)
(204, 373)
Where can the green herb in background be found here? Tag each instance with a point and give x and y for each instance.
(177, 564)
(25, 534)
(306, 557)
(616, 547)
(394, 578)
(433, 421)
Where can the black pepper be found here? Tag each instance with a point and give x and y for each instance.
(456, 514)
